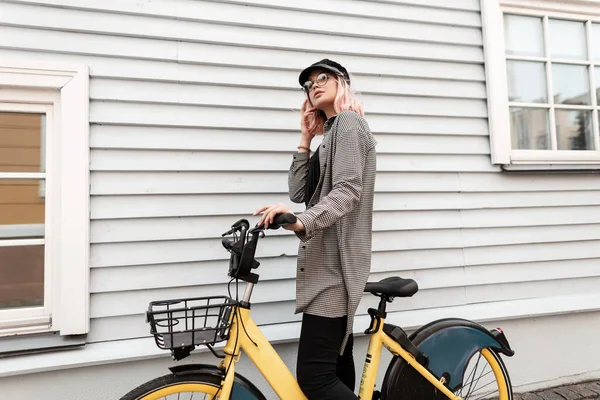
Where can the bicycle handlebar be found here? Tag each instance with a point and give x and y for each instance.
(282, 220)
(243, 249)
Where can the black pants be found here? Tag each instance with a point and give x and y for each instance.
(321, 372)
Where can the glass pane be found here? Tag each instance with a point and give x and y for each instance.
(22, 209)
(596, 42)
(526, 82)
(21, 138)
(571, 84)
(574, 130)
(597, 79)
(523, 36)
(21, 276)
(529, 128)
(567, 39)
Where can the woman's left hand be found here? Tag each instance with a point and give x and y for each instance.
(270, 212)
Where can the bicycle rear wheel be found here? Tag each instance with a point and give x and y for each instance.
(481, 384)
(485, 377)
(199, 386)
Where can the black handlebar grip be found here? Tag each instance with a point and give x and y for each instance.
(282, 219)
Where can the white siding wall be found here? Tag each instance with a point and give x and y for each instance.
(194, 113)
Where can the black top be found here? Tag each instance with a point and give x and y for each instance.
(312, 178)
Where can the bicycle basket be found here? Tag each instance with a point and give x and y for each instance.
(189, 322)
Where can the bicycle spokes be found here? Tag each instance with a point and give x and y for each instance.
(189, 396)
(479, 380)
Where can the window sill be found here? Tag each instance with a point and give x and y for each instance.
(144, 348)
(552, 167)
(21, 345)
(24, 325)
(581, 161)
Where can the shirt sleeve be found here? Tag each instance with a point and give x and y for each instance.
(297, 176)
(347, 170)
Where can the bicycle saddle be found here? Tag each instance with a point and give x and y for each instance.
(393, 286)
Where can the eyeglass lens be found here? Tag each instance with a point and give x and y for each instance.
(321, 80)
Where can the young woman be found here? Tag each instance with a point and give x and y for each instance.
(334, 256)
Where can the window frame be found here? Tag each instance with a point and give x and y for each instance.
(502, 154)
(38, 318)
(63, 91)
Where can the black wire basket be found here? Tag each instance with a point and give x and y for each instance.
(190, 322)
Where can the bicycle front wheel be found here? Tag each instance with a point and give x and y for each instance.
(199, 386)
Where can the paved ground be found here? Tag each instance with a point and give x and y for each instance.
(579, 391)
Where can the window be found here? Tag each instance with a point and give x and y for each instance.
(543, 76)
(24, 289)
(44, 201)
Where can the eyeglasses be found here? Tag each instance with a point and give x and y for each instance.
(320, 81)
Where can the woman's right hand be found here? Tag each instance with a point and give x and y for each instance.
(306, 112)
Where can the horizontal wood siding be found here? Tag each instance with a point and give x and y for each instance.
(194, 112)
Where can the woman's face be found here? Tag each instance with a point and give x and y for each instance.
(323, 88)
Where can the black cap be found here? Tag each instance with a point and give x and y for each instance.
(326, 64)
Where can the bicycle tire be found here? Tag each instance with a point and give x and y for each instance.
(405, 383)
(201, 383)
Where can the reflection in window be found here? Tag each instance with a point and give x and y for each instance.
(597, 79)
(20, 142)
(571, 84)
(574, 130)
(523, 36)
(530, 129)
(526, 82)
(596, 42)
(21, 276)
(567, 40)
(22, 210)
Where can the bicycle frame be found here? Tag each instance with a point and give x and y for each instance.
(246, 336)
(377, 341)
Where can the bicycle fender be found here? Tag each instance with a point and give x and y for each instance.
(496, 335)
(242, 389)
(449, 344)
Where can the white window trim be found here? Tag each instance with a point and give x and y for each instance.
(67, 92)
(497, 83)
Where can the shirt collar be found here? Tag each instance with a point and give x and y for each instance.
(329, 123)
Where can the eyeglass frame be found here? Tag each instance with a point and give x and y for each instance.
(314, 83)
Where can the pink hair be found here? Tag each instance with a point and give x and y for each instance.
(345, 99)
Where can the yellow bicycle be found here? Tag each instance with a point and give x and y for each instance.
(445, 359)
